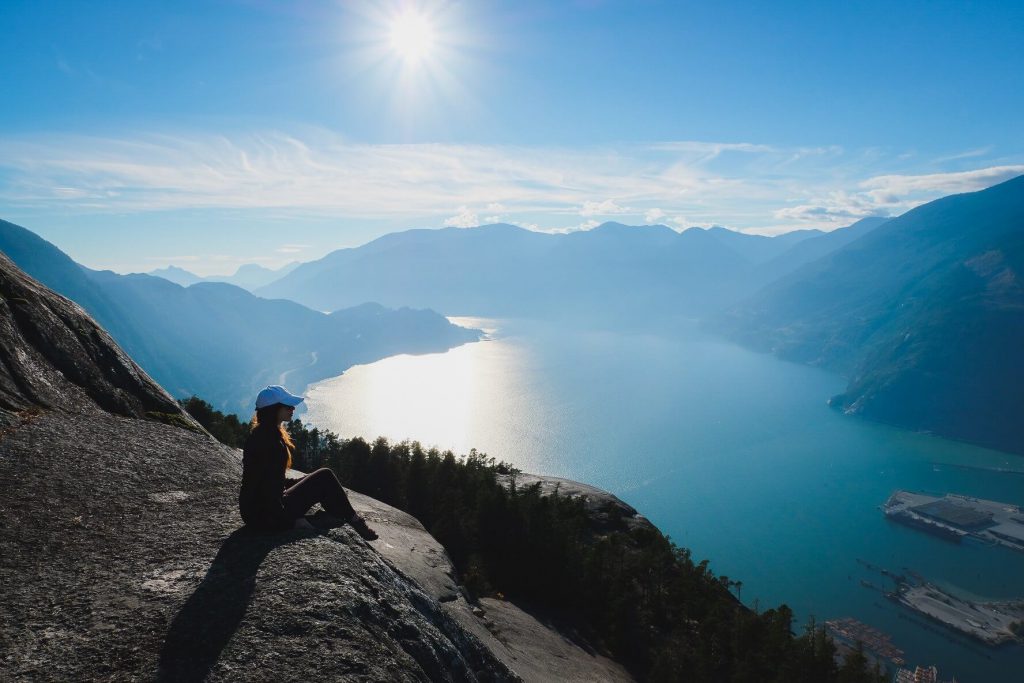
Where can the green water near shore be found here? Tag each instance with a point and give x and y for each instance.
(733, 454)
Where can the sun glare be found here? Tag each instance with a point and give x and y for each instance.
(412, 36)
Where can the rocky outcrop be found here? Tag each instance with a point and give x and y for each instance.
(605, 512)
(54, 356)
(122, 556)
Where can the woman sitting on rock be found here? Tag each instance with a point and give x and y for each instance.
(264, 501)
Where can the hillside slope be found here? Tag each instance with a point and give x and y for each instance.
(925, 315)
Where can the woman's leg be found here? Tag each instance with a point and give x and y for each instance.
(318, 487)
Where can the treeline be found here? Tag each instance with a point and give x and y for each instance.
(662, 615)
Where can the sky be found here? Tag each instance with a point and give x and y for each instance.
(208, 134)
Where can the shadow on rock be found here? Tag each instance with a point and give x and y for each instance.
(212, 613)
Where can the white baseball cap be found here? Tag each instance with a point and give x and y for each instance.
(276, 394)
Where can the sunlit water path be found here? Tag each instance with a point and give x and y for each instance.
(733, 454)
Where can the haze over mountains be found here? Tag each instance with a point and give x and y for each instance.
(248, 276)
(219, 341)
(613, 273)
(923, 313)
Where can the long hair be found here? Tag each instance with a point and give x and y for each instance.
(265, 421)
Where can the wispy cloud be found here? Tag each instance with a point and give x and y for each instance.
(608, 207)
(889, 188)
(744, 185)
(894, 194)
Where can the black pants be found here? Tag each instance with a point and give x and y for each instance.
(317, 487)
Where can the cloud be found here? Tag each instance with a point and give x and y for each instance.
(463, 219)
(967, 154)
(292, 248)
(653, 216)
(585, 225)
(888, 195)
(834, 209)
(321, 173)
(889, 188)
(606, 208)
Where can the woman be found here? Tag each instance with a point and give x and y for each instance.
(264, 501)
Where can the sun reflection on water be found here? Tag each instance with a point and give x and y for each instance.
(451, 400)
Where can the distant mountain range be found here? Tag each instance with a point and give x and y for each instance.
(219, 341)
(614, 272)
(248, 276)
(924, 314)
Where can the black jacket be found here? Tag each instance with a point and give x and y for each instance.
(264, 460)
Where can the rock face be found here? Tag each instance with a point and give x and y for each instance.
(122, 555)
(54, 356)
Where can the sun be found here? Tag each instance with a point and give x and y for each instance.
(412, 36)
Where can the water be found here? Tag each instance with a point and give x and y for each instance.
(733, 454)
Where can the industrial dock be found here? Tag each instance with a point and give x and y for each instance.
(955, 517)
(993, 623)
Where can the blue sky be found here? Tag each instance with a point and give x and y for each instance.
(208, 134)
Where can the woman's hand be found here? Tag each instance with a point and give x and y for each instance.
(303, 523)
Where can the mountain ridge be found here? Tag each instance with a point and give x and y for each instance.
(247, 276)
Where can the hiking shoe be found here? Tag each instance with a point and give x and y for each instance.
(359, 524)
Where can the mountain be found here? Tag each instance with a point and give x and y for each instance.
(248, 276)
(924, 314)
(221, 342)
(815, 247)
(612, 271)
(759, 248)
(178, 276)
(251, 275)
